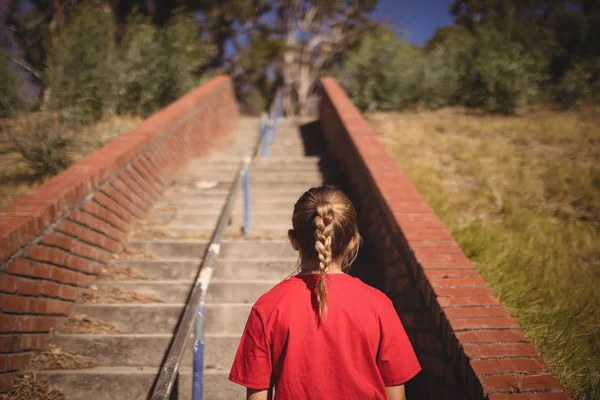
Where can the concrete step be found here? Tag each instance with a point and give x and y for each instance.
(227, 318)
(173, 269)
(267, 232)
(147, 350)
(239, 291)
(257, 162)
(264, 189)
(215, 204)
(135, 383)
(192, 249)
(262, 175)
(165, 269)
(199, 217)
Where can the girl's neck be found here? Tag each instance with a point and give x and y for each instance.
(308, 267)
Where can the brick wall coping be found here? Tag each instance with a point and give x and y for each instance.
(491, 355)
(28, 217)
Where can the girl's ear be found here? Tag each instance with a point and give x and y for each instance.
(353, 242)
(293, 241)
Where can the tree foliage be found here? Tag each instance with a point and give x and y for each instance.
(81, 66)
(11, 100)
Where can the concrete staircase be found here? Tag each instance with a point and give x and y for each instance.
(127, 362)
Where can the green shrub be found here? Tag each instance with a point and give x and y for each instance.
(141, 68)
(44, 143)
(183, 56)
(580, 85)
(444, 72)
(504, 75)
(11, 99)
(382, 74)
(82, 65)
(158, 66)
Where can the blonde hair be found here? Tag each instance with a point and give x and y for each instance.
(324, 223)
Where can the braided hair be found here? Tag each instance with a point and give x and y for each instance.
(324, 223)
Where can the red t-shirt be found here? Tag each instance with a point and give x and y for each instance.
(358, 350)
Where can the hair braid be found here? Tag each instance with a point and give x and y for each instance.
(324, 236)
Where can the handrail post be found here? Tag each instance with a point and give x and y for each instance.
(247, 202)
(265, 136)
(199, 355)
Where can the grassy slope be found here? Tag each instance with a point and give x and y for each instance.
(521, 196)
(16, 177)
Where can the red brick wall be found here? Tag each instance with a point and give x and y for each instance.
(468, 344)
(57, 238)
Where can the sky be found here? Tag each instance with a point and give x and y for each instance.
(414, 20)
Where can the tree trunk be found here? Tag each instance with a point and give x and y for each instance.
(288, 59)
(304, 84)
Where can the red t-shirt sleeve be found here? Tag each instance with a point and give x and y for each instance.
(252, 364)
(396, 360)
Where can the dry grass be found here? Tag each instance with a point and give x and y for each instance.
(53, 357)
(27, 388)
(96, 295)
(130, 253)
(118, 272)
(16, 177)
(521, 196)
(84, 324)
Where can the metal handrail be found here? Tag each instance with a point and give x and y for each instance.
(193, 313)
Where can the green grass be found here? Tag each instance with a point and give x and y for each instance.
(521, 195)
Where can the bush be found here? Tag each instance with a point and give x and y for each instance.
(11, 99)
(81, 65)
(158, 66)
(141, 66)
(504, 75)
(579, 86)
(44, 143)
(444, 72)
(183, 56)
(382, 74)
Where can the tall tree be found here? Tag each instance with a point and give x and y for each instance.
(315, 32)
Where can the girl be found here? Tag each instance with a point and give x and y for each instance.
(323, 334)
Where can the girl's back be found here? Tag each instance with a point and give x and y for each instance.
(323, 334)
(354, 354)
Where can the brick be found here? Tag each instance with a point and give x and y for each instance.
(6, 381)
(519, 382)
(8, 283)
(531, 396)
(41, 270)
(115, 208)
(461, 324)
(6, 323)
(94, 208)
(504, 365)
(50, 289)
(445, 265)
(16, 361)
(28, 287)
(457, 282)
(463, 292)
(10, 343)
(49, 306)
(491, 336)
(19, 267)
(92, 222)
(468, 301)
(470, 312)
(497, 350)
(14, 304)
(68, 292)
